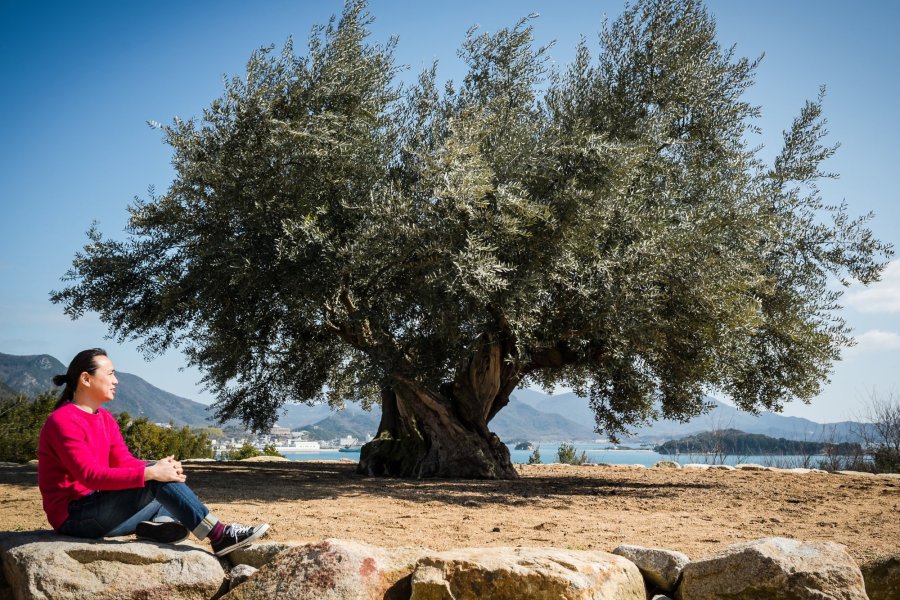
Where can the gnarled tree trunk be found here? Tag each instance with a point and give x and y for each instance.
(428, 433)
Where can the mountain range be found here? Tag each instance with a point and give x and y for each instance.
(33, 375)
(530, 415)
(721, 416)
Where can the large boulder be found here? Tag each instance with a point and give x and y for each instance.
(333, 570)
(882, 578)
(774, 569)
(257, 555)
(43, 565)
(239, 575)
(661, 568)
(533, 573)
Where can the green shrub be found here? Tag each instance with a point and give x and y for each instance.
(269, 450)
(149, 441)
(886, 459)
(248, 450)
(566, 455)
(21, 419)
(535, 458)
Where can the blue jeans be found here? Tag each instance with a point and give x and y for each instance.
(113, 513)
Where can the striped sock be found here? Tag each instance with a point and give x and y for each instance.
(215, 534)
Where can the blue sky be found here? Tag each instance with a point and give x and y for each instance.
(82, 79)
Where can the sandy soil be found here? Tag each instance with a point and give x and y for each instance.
(586, 507)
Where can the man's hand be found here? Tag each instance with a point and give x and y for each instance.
(166, 469)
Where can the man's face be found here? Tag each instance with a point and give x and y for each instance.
(102, 384)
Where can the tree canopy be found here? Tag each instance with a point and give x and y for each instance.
(332, 233)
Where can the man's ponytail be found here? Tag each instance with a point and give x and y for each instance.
(82, 363)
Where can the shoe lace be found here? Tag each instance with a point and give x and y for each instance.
(238, 529)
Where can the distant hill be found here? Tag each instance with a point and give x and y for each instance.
(351, 421)
(29, 375)
(722, 416)
(297, 415)
(734, 442)
(32, 375)
(531, 415)
(6, 391)
(141, 399)
(519, 421)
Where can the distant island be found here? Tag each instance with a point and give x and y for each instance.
(735, 442)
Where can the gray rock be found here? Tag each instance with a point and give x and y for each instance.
(5, 591)
(697, 466)
(333, 570)
(660, 567)
(855, 473)
(429, 584)
(722, 467)
(751, 467)
(666, 464)
(257, 555)
(798, 470)
(774, 569)
(882, 578)
(533, 573)
(43, 565)
(240, 574)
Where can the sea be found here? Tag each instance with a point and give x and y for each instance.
(604, 453)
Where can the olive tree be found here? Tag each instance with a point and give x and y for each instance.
(334, 234)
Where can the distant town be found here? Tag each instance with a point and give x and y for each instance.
(285, 441)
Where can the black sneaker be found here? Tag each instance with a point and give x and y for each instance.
(237, 536)
(169, 532)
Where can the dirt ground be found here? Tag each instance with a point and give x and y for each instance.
(586, 507)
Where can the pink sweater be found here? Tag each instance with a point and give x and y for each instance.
(78, 453)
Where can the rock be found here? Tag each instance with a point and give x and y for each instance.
(5, 591)
(882, 577)
(856, 473)
(533, 573)
(666, 464)
(698, 466)
(660, 567)
(661, 597)
(239, 575)
(429, 584)
(751, 467)
(42, 564)
(333, 570)
(774, 568)
(722, 467)
(257, 555)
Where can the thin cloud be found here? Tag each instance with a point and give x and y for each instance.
(875, 340)
(881, 297)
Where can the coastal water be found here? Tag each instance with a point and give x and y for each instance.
(604, 453)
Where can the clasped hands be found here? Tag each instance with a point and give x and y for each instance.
(165, 469)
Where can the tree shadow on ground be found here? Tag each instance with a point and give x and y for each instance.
(24, 476)
(236, 481)
(272, 482)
